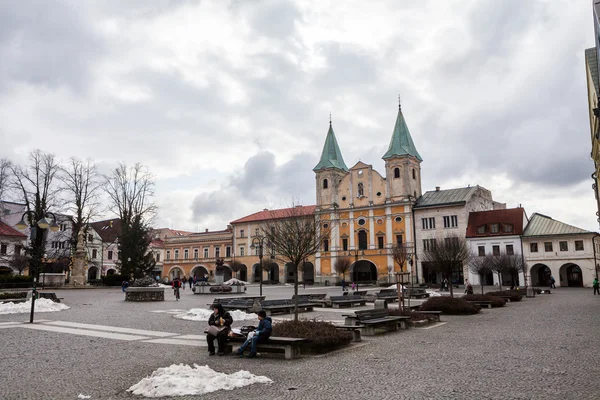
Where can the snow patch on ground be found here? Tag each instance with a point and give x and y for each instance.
(234, 281)
(201, 314)
(83, 396)
(433, 293)
(183, 380)
(41, 305)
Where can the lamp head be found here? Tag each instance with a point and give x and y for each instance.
(252, 246)
(43, 223)
(54, 226)
(21, 224)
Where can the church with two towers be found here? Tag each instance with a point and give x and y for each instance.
(367, 213)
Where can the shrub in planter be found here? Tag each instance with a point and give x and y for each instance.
(323, 336)
(496, 301)
(414, 315)
(15, 281)
(450, 305)
(515, 295)
(13, 295)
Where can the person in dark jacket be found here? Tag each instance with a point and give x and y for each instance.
(222, 320)
(261, 334)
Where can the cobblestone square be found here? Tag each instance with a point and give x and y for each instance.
(541, 348)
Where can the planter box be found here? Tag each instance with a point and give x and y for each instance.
(48, 279)
(145, 294)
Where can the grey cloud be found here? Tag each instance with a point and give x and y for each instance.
(346, 66)
(274, 18)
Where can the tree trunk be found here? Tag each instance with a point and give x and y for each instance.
(296, 295)
(451, 287)
(500, 280)
(481, 282)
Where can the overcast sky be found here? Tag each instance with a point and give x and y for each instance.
(227, 102)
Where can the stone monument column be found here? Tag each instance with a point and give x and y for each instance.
(78, 272)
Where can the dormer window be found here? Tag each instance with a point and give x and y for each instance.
(325, 184)
(507, 228)
(494, 228)
(481, 229)
(396, 172)
(361, 190)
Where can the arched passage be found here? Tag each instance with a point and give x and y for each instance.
(272, 272)
(363, 271)
(111, 272)
(199, 272)
(224, 273)
(571, 275)
(93, 273)
(256, 273)
(289, 272)
(308, 273)
(175, 272)
(242, 274)
(540, 275)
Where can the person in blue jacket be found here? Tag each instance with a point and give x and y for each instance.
(261, 334)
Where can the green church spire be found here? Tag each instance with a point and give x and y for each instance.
(331, 157)
(401, 143)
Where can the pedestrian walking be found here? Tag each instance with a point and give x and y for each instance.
(596, 286)
(176, 285)
(195, 280)
(190, 281)
(343, 285)
(354, 286)
(552, 282)
(467, 284)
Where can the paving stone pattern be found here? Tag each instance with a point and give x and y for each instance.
(542, 348)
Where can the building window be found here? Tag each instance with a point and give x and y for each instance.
(345, 244)
(563, 245)
(533, 247)
(380, 242)
(495, 228)
(507, 228)
(428, 223)
(362, 240)
(63, 227)
(450, 221)
(168, 255)
(3, 249)
(195, 254)
(90, 238)
(109, 254)
(256, 231)
(217, 252)
(399, 240)
(186, 254)
(361, 190)
(241, 233)
(496, 250)
(579, 245)
(18, 249)
(94, 254)
(428, 244)
(451, 241)
(547, 247)
(242, 251)
(206, 252)
(157, 257)
(481, 250)
(177, 254)
(396, 172)
(228, 251)
(414, 174)
(398, 219)
(362, 221)
(325, 184)
(510, 251)
(481, 229)
(325, 244)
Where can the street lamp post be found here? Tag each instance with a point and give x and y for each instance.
(43, 224)
(258, 243)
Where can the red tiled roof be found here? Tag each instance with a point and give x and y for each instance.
(264, 215)
(108, 230)
(6, 230)
(513, 216)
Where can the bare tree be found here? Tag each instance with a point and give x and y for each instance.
(5, 173)
(342, 266)
(448, 255)
(82, 185)
(401, 254)
(131, 191)
(480, 265)
(515, 264)
(36, 186)
(498, 265)
(295, 235)
(236, 267)
(19, 262)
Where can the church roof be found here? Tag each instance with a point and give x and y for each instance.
(543, 225)
(401, 143)
(591, 59)
(266, 215)
(448, 197)
(331, 157)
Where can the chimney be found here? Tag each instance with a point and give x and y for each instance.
(437, 188)
(265, 209)
(110, 223)
(206, 230)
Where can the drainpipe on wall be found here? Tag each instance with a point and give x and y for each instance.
(415, 243)
(594, 246)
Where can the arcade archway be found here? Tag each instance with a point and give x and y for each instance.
(571, 275)
(363, 271)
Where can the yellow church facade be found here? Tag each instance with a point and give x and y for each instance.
(367, 213)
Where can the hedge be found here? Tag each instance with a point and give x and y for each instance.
(450, 305)
(113, 280)
(514, 295)
(414, 315)
(15, 281)
(323, 336)
(496, 301)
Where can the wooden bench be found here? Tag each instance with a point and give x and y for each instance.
(318, 299)
(372, 319)
(285, 306)
(243, 305)
(507, 298)
(223, 300)
(350, 300)
(487, 304)
(390, 295)
(355, 329)
(414, 293)
(435, 314)
(291, 346)
(360, 293)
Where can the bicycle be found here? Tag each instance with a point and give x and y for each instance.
(176, 294)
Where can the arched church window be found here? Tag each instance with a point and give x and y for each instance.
(361, 190)
(396, 172)
(325, 184)
(414, 174)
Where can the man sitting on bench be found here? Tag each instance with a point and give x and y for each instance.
(261, 334)
(219, 325)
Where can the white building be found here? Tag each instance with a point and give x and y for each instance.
(442, 213)
(553, 248)
(12, 242)
(496, 232)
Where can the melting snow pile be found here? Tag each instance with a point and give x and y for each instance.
(433, 293)
(41, 305)
(182, 380)
(234, 281)
(201, 314)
